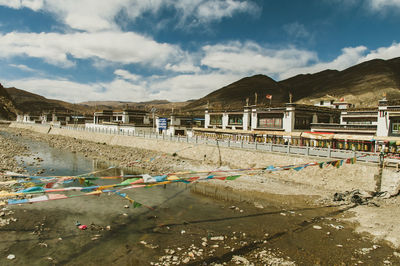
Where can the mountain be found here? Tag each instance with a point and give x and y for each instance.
(162, 106)
(361, 84)
(32, 103)
(7, 107)
(234, 95)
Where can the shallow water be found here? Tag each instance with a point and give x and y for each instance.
(46, 233)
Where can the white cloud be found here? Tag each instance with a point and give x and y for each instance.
(384, 52)
(120, 47)
(296, 30)
(23, 67)
(17, 4)
(349, 56)
(128, 86)
(218, 9)
(185, 87)
(379, 5)
(251, 58)
(126, 75)
(98, 15)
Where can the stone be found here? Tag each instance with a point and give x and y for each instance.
(11, 257)
(317, 227)
(217, 238)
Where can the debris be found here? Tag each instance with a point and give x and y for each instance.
(82, 227)
(183, 231)
(42, 244)
(108, 227)
(338, 227)
(240, 260)
(217, 238)
(11, 257)
(317, 227)
(258, 205)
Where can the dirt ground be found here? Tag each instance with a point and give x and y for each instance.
(375, 219)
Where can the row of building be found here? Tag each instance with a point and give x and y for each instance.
(325, 124)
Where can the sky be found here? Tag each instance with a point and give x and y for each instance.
(177, 50)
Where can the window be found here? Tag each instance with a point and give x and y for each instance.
(235, 120)
(396, 127)
(270, 122)
(216, 119)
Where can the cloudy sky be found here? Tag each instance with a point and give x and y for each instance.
(139, 50)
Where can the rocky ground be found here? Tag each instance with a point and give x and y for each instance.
(375, 215)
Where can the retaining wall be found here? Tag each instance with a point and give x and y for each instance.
(347, 177)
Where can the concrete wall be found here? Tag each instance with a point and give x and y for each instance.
(347, 177)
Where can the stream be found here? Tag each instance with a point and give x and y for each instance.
(174, 227)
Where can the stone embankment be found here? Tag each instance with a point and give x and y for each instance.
(346, 178)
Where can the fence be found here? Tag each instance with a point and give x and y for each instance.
(266, 147)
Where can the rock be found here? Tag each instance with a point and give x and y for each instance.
(258, 205)
(11, 257)
(317, 227)
(183, 231)
(338, 227)
(217, 238)
(186, 260)
(126, 206)
(240, 260)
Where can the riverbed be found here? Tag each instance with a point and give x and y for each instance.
(175, 227)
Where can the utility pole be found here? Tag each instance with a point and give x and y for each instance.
(378, 177)
(153, 110)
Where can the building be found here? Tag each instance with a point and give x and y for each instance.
(131, 117)
(289, 118)
(177, 124)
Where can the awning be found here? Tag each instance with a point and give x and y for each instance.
(354, 137)
(397, 139)
(312, 135)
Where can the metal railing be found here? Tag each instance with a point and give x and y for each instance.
(371, 157)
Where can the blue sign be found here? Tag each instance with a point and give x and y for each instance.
(162, 123)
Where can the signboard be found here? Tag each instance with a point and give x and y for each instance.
(162, 123)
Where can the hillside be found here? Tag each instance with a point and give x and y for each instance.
(28, 102)
(162, 106)
(361, 84)
(234, 95)
(7, 107)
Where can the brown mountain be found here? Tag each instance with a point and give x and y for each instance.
(7, 107)
(234, 95)
(161, 105)
(361, 84)
(32, 103)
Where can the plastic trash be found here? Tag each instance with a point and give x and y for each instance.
(82, 227)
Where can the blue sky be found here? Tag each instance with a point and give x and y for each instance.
(138, 50)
